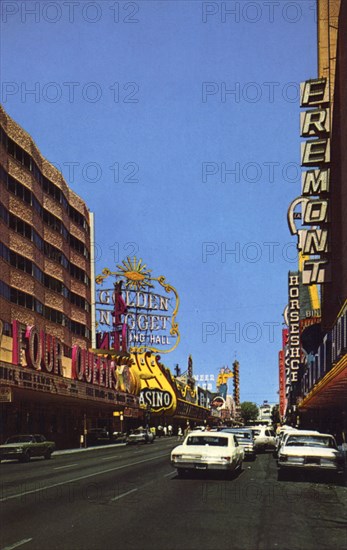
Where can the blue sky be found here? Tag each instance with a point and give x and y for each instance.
(196, 105)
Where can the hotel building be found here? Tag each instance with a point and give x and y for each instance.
(46, 301)
(318, 396)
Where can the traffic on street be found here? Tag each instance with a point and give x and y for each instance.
(131, 497)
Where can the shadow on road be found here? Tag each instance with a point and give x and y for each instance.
(209, 474)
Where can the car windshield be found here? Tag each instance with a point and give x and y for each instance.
(310, 441)
(20, 439)
(207, 440)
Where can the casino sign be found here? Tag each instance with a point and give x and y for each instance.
(135, 316)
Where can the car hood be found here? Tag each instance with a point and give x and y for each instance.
(311, 451)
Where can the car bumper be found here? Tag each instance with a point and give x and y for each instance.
(11, 455)
(309, 467)
(203, 465)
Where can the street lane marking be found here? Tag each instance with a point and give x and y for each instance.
(20, 495)
(16, 544)
(140, 487)
(62, 467)
(124, 495)
(110, 457)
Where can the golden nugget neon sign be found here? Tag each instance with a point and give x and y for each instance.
(136, 316)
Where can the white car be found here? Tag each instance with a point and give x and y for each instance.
(203, 450)
(264, 438)
(282, 438)
(309, 451)
(140, 435)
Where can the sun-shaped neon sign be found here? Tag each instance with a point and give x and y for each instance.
(136, 274)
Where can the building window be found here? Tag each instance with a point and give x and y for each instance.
(48, 186)
(5, 291)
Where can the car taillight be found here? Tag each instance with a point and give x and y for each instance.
(226, 458)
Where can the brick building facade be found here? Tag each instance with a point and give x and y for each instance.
(45, 243)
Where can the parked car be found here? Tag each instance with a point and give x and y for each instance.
(25, 447)
(283, 436)
(280, 436)
(140, 435)
(245, 438)
(203, 450)
(98, 436)
(264, 438)
(118, 437)
(307, 451)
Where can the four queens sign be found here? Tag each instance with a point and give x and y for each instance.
(135, 315)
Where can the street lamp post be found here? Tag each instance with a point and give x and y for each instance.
(85, 431)
(148, 416)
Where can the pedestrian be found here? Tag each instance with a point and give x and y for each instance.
(169, 430)
(179, 433)
(160, 430)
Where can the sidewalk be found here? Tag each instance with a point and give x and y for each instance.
(95, 447)
(85, 449)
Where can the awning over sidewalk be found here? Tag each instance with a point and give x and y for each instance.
(331, 391)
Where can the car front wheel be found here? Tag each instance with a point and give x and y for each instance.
(47, 455)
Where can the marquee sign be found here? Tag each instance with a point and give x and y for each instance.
(38, 363)
(294, 325)
(156, 399)
(44, 353)
(135, 315)
(315, 155)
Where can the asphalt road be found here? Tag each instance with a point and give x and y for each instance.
(129, 497)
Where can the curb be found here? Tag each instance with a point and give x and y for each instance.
(83, 450)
